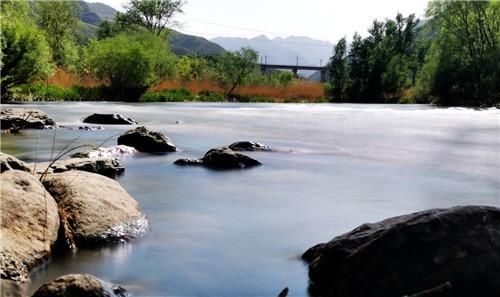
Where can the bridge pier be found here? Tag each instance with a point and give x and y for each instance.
(324, 76)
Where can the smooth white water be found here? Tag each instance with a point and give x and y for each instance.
(240, 233)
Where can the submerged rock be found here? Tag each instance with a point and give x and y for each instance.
(95, 209)
(249, 146)
(8, 162)
(221, 158)
(29, 224)
(454, 251)
(24, 118)
(147, 141)
(79, 285)
(106, 152)
(85, 128)
(109, 119)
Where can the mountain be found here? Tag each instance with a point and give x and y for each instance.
(280, 50)
(189, 45)
(92, 14)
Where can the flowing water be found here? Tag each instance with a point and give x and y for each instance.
(241, 232)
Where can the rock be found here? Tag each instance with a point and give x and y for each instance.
(249, 146)
(29, 224)
(79, 285)
(189, 162)
(109, 119)
(95, 209)
(106, 152)
(109, 167)
(24, 118)
(8, 162)
(85, 128)
(455, 251)
(9, 288)
(221, 158)
(225, 158)
(147, 141)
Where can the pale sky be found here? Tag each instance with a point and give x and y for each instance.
(327, 20)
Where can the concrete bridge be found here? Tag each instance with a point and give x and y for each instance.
(265, 68)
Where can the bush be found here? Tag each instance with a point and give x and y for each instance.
(176, 95)
(39, 92)
(131, 63)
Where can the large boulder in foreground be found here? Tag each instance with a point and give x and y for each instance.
(8, 162)
(109, 119)
(79, 285)
(448, 252)
(25, 118)
(221, 158)
(109, 167)
(146, 141)
(29, 224)
(249, 146)
(95, 209)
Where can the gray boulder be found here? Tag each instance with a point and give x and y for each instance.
(24, 118)
(147, 141)
(109, 119)
(79, 285)
(94, 209)
(447, 252)
(8, 162)
(29, 224)
(109, 167)
(221, 158)
(249, 146)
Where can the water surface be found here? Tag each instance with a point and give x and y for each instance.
(240, 233)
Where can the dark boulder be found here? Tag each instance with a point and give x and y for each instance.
(79, 285)
(147, 141)
(447, 252)
(249, 146)
(23, 118)
(109, 119)
(221, 158)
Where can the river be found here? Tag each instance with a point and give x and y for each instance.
(240, 233)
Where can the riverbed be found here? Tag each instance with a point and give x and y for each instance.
(241, 232)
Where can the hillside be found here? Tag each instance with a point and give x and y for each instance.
(282, 50)
(92, 14)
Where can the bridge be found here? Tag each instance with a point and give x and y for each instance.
(265, 68)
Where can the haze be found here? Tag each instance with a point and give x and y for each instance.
(319, 19)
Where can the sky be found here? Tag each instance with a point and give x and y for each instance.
(327, 20)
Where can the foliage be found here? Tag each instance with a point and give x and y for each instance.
(233, 67)
(338, 71)
(130, 63)
(24, 54)
(43, 92)
(58, 19)
(155, 15)
(192, 68)
(176, 95)
(463, 65)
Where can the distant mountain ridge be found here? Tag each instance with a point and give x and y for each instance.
(91, 14)
(280, 50)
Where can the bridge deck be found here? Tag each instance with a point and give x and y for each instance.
(292, 67)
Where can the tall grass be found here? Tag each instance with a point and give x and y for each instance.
(64, 79)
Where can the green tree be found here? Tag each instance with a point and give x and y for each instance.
(463, 65)
(25, 54)
(233, 67)
(338, 70)
(130, 63)
(59, 20)
(154, 15)
(192, 68)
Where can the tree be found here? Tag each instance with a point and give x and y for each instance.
(234, 67)
(130, 63)
(154, 15)
(338, 70)
(59, 19)
(24, 53)
(463, 65)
